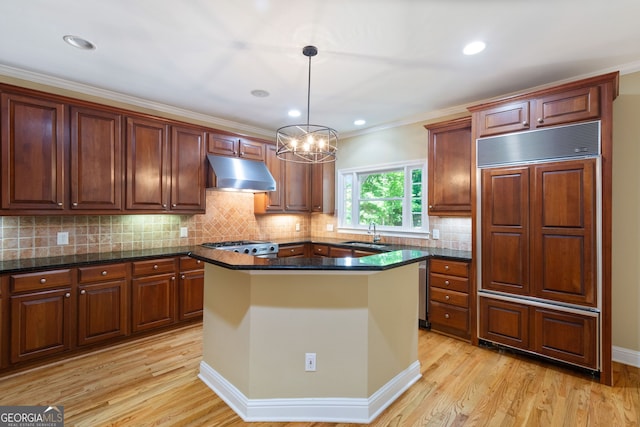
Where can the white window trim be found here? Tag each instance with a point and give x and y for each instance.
(388, 231)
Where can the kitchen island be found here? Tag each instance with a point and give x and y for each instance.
(357, 316)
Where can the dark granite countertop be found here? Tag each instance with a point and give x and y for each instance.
(390, 256)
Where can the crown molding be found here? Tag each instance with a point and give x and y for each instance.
(84, 89)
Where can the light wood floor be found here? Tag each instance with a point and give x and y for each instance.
(154, 382)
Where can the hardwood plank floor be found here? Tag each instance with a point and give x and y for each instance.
(153, 382)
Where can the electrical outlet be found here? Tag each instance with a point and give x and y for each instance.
(297, 226)
(329, 227)
(184, 232)
(310, 362)
(63, 238)
(435, 234)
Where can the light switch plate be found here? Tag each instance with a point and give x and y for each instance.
(329, 227)
(184, 232)
(435, 234)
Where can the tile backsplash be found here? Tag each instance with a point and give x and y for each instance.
(229, 217)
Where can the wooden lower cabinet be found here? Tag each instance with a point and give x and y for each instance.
(338, 252)
(190, 288)
(295, 251)
(449, 301)
(153, 301)
(561, 335)
(102, 303)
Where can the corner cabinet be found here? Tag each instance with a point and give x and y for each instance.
(450, 168)
(32, 153)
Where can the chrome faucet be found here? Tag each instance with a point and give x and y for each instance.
(376, 236)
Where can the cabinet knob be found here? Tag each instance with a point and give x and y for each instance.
(198, 261)
(43, 281)
(104, 273)
(525, 123)
(155, 266)
(446, 282)
(82, 292)
(75, 203)
(430, 206)
(446, 297)
(540, 120)
(173, 278)
(446, 267)
(182, 277)
(59, 203)
(293, 250)
(446, 315)
(164, 205)
(173, 205)
(67, 295)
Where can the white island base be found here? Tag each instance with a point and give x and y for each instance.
(259, 324)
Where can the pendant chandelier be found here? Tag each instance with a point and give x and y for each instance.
(307, 143)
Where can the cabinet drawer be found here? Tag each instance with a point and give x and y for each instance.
(449, 316)
(456, 268)
(100, 273)
(153, 266)
(454, 283)
(291, 250)
(188, 263)
(336, 252)
(446, 296)
(40, 280)
(322, 250)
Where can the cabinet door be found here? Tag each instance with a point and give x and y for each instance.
(187, 169)
(152, 301)
(250, 150)
(191, 294)
(96, 159)
(147, 165)
(505, 230)
(566, 336)
(32, 153)
(336, 252)
(323, 187)
(222, 144)
(297, 190)
(511, 117)
(102, 311)
(450, 168)
(273, 201)
(505, 322)
(40, 324)
(566, 107)
(563, 230)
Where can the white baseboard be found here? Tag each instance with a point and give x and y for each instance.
(626, 356)
(336, 410)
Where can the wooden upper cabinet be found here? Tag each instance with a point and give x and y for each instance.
(96, 159)
(297, 197)
(566, 107)
(188, 169)
(234, 146)
(546, 109)
(450, 168)
(147, 164)
(323, 187)
(272, 201)
(32, 152)
(509, 117)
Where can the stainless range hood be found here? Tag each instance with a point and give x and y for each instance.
(232, 173)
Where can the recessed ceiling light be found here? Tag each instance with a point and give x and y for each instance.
(473, 48)
(294, 113)
(79, 42)
(359, 122)
(259, 93)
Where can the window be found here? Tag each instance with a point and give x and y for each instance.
(391, 196)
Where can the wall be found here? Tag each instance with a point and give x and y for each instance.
(626, 220)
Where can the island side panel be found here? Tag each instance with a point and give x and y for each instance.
(226, 323)
(392, 331)
(294, 313)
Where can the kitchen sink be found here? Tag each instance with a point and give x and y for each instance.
(380, 246)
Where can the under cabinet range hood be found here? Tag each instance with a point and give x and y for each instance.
(235, 174)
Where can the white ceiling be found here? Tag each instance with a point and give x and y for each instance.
(386, 61)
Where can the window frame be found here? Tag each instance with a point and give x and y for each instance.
(406, 230)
